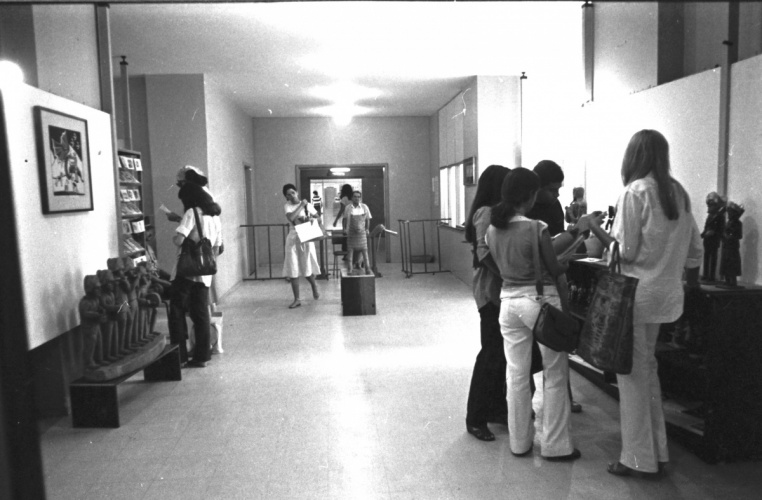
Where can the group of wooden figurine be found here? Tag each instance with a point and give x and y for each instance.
(118, 311)
(723, 229)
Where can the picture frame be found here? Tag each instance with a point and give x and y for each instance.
(469, 172)
(63, 150)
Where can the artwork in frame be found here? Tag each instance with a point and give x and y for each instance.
(469, 174)
(63, 151)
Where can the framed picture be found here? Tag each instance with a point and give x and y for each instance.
(469, 176)
(63, 149)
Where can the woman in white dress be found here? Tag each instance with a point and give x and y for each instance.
(301, 258)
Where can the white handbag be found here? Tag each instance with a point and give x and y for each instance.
(309, 231)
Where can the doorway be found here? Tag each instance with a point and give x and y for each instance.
(372, 180)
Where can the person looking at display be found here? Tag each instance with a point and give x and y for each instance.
(190, 294)
(300, 258)
(548, 209)
(486, 395)
(317, 202)
(358, 217)
(658, 239)
(513, 242)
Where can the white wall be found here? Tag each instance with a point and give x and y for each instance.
(57, 251)
(686, 111)
(67, 53)
(745, 163)
(401, 142)
(625, 48)
(229, 146)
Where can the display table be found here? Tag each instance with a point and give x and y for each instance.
(710, 367)
(358, 294)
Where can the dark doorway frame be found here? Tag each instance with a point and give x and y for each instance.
(322, 171)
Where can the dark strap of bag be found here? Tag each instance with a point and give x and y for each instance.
(536, 258)
(615, 266)
(198, 225)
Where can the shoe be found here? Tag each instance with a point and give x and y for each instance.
(576, 407)
(480, 432)
(621, 470)
(295, 304)
(525, 453)
(574, 455)
(196, 364)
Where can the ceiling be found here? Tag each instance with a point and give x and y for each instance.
(280, 59)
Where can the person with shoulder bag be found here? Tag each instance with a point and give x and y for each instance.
(658, 239)
(190, 290)
(510, 239)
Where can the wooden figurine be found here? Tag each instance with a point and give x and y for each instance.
(714, 229)
(121, 299)
(730, 264)
(91, 317)
(109, 329)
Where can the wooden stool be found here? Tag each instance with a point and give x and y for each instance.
(358, 294)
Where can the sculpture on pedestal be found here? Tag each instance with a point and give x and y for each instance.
(578, 207)
(714, 228)
(109, 329)
(91, 316)
(730, 264)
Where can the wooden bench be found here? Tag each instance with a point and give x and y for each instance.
(96, 404)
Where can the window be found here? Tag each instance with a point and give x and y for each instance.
(452, 191)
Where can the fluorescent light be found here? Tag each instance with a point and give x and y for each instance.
(337, 170)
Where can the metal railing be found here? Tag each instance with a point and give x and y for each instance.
(256, 252)
(406, 245)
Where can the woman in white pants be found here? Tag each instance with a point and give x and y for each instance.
(512, 240)
(658, 238)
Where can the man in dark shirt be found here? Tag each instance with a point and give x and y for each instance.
(548, 209)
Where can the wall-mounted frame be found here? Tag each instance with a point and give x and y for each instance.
(469, 172)
(63, 151)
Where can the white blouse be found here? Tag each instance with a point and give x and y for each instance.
(655, 250)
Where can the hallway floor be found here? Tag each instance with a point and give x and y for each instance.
(308, 404)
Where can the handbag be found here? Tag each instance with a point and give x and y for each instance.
(196, 257)
(606, 339)
(309, 231)
(554, 328)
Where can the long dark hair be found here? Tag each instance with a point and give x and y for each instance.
(487, 195)
(346, 191)
(192, 195)
(648, 152)
(518, 187)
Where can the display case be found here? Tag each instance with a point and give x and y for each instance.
(133, 219)
(710, 366)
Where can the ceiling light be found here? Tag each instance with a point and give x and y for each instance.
(345, 91)
(337, 170)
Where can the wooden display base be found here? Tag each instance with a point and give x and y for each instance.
(96, 404)
(358, 294)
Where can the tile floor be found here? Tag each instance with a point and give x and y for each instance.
(308, 404)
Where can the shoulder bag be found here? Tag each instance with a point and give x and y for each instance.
(606, 339)
(554, 328)
(196, 257)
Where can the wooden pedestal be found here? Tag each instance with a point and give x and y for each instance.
(358, 294)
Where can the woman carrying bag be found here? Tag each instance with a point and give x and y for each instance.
(512, 242)
(658, 238)
(190, 294)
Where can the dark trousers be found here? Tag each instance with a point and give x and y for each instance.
(486, 397)
(192, 298)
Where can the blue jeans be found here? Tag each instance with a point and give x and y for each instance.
(192, 298)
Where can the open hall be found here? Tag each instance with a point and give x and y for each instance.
(408, 103)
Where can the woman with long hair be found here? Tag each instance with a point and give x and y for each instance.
(514, 240)
(190, 294)
(658, 239)
(486, 397)
(300, 258)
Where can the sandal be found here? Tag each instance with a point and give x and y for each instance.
(480, 432)
(621, 470)
(295, 303)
